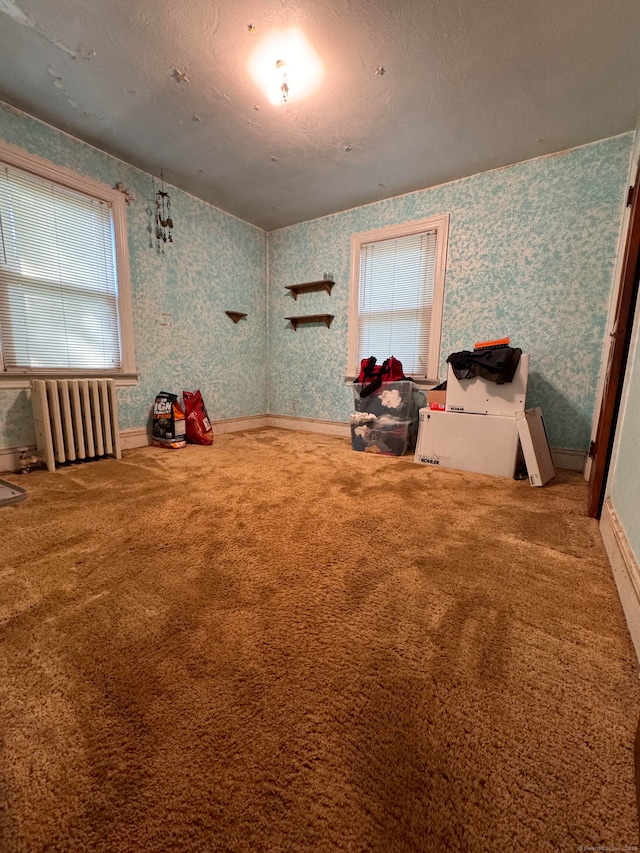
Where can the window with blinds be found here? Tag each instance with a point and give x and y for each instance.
(398, 276)
(58, 279)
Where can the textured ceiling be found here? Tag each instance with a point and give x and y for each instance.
(468, 85)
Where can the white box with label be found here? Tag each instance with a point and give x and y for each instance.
(484, 444)
(479, 396)
(535, 446)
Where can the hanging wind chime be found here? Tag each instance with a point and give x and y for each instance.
(164, 222)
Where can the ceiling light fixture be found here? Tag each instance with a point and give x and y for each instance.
(281, 66)
(286, 67)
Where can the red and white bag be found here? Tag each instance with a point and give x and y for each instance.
(199, 429)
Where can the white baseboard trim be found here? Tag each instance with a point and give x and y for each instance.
(573, 460)
(137, 437)
(239, 424)
(10, 457)
(141, 437)
(625, 568)
(310, 425)
(129, 438)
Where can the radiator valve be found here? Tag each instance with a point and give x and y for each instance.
(30, 461)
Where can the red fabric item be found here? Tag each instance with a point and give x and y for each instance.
(199, 429)
(372, 375)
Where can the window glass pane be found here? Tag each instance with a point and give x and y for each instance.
(395, 299)
(58, 283)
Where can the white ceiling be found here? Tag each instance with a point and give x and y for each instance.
(468, 85)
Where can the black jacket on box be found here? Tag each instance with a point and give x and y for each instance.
(497, 365)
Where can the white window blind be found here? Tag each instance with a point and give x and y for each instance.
(58, 281)
(395, 300)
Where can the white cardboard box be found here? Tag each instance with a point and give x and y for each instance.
(535, 446)
(479, 396)
(485, 444)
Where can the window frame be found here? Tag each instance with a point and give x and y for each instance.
(439, 224)
(126, 375)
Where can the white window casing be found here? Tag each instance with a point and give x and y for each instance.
(396, 296)
(46, 264)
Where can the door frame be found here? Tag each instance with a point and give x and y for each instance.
(602, 446)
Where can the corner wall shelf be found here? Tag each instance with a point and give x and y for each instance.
(235, 315)
(310, 318)
(308, 286)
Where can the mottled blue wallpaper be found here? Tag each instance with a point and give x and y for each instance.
(183, 338)
(531, 255)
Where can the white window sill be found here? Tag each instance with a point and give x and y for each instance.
(19, 381)
(420, 382)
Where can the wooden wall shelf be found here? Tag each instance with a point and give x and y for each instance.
(235, 315)
(310, 318)
(308, 286)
